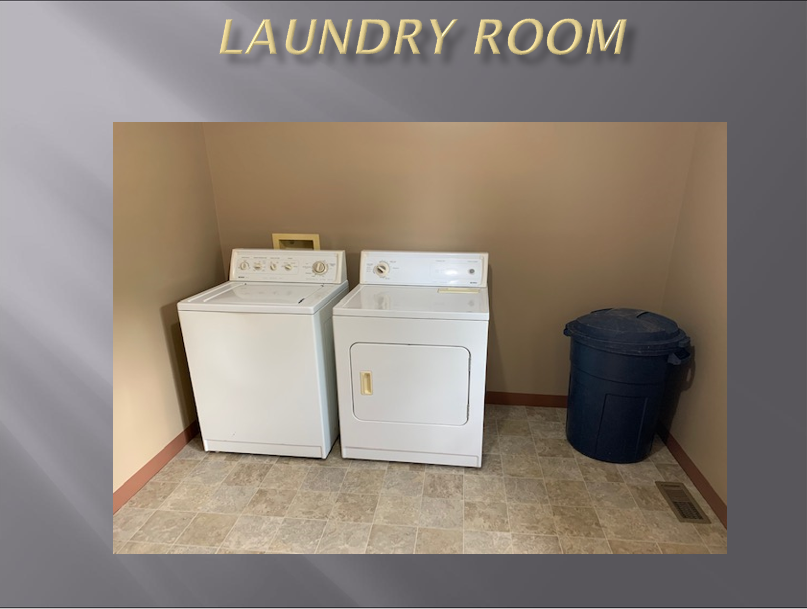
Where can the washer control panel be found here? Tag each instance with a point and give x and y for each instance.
(288, 266)
(424, 269)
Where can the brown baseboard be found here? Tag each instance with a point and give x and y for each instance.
(525, 399)
(150, 469)
(698, 479)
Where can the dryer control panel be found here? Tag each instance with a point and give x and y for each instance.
(288, 266)
(425, 269)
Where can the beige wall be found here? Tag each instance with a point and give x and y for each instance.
(696, 298)
(166, 248)
(575, 216)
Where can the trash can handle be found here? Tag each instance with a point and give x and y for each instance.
(599, 310)
(679, 357)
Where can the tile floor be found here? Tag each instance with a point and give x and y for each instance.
(533, 495)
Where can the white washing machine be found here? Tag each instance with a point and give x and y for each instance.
(411, 351)
(260, 353)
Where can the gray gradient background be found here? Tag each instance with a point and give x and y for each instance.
(70, 70)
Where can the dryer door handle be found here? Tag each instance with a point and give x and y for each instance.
(366, 378)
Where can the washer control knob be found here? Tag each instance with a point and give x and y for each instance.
(319, 267)
(381, 269)
(244, 265)
(273, 266)
(288, 266)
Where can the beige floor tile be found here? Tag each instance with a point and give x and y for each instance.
(389, 539)
(659, 453)
(443, 486)
(568, 492)
(252, 533)
(220, 456)
(672, 472)
(484, 488)
(438, 541)
(666, 528)
(712, 534)
(552, 447)
(192, 550)
(298, 536)
(619, 546)
(344, 538)
(354, 508)
(624, 524)
(597, 471)
(560, 469)
(533, 518)
(491, 466)
(362, 464)
(643, 472)
(363, 482)
(490, 443)
(175, 471)
(134, 547)
(508, 412)
(117, 546)
(324, 479)
(677, 548)
(408, 483)
(480, 516)
(189, 497)
(210, 472)
(193, 450)
(163, 527)
(610, 495)
(127, 521)
(295, 461)
(577, 522)
(229, 551)
(270, 502)
(284, 477)
(521, 466)
(229, 499)
(406, 467)
(247, 474)
(487, 542)
(718, 550)
(261, 459)
(445, 469)
(535, 544)
(538, 413)
(152, 495)
(310, 505)
(550, 430)
(525, 490)
(516, 445)
(573, 545)
(207, 530)
(397, 510)
(440, 513)
(648, 497)
(513, 427)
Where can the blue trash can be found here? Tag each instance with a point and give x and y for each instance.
(620, 361)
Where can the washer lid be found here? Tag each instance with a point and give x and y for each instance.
(243, 297)
(414, 302)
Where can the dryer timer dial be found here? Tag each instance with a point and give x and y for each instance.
(381, 269)
(319, 267)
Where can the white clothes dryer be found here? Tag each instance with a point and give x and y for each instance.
(411, 353)
(260, 353)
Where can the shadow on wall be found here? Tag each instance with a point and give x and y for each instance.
(494, 352)
(679, 380)
(179, 363)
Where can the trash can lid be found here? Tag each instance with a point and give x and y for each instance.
(628, 331)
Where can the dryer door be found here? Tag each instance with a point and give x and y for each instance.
(410, 383)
